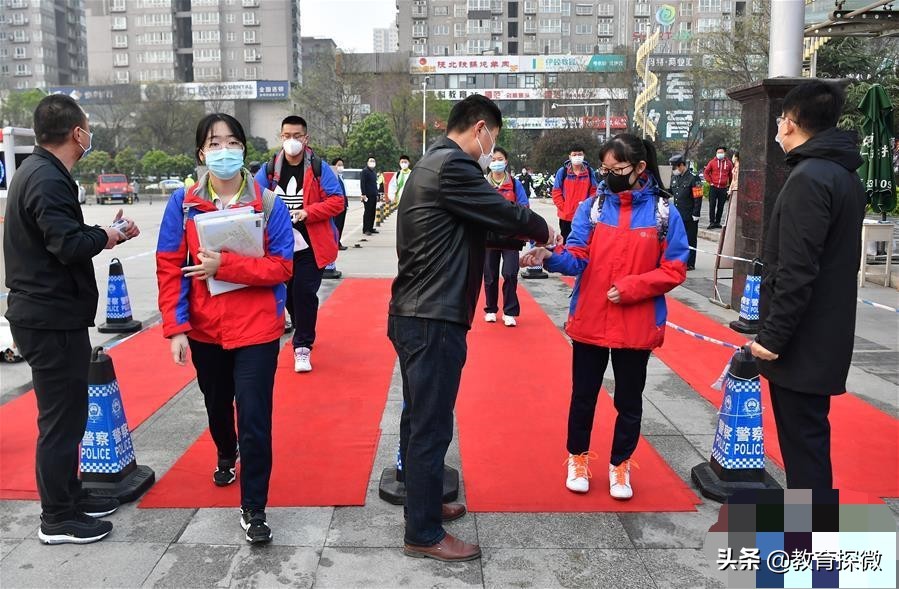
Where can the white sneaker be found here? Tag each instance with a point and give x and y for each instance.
(620, 481)
(490, 317)
(578, 473)
(301, 360)
(509, 321)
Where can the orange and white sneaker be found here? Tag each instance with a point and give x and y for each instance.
(620, 480)
(579, 474)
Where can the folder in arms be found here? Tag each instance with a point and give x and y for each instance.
(239, 231)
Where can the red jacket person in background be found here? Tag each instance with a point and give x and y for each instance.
(719, 173)
(573, 183)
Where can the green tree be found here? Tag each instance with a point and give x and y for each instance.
(181, 165)
(17, 108)
(96, 162)
(165, 121)
(374, 137)
(126, 162)
(154, 162)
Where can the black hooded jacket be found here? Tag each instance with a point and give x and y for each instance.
(808, 296)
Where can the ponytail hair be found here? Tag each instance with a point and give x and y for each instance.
(626, 147)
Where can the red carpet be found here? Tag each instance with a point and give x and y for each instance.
(512, 413)
(865, 440)
(147, 378)
(326, 423)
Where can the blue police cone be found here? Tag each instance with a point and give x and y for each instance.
(108, 464)
(749, 302)
(738, 452)
(392, 487)
(331, 271)
(534, 271)
(118, 305)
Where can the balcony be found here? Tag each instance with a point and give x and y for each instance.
(419, 12)
(530, 7)
(530, 27)
(496, 7)
(24, 38)
(17, 4)
(641, 10)
(255, 58)
(17, 22)
(250, 3)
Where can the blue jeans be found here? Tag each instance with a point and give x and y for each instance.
(245, 375)
(432, 354)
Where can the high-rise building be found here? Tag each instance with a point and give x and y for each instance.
(42, 43)
(193, 40)
(386, 40)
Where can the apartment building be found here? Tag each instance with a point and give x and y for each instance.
(42, 43)
(133, 41)
(386, 40)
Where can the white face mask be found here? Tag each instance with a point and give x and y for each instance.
(498, 166)
(371, 164)
(404, 165)
(676, 172)
(292, 147)
(486, 156)
(720, 156)
(339, 169)
(577, 160)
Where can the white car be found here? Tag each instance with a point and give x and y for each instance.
(170, 185)
(351, 181)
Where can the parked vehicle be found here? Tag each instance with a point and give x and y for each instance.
(114, 187)
(170, 185)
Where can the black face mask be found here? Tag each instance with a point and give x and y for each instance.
(619, 183)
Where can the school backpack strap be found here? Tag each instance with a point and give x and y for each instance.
(268, 204)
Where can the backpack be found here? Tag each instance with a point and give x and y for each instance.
(316, 162)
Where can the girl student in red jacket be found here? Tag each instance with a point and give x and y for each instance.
(233, 336)
(627, 248)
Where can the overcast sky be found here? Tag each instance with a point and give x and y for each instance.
(348, 22)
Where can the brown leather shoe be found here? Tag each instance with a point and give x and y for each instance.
(450, 549)
(452, 511)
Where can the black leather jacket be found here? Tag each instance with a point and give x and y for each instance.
(445, 213)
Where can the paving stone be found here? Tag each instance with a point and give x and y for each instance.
(19, 519)
(678, 453)
(654, 422)
(546, 569)
(102, 564)
(389, 568)
(670, 530)
(689, 416)
(148, 525)
(194, 565)
(682, 568)
(390, 421)
(7, 546)
(551, 530)
(295, 526)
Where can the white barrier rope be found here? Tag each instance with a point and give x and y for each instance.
(704, 338)
(696, 249)
(878, 306)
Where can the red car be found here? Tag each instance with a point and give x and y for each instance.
(112, 187)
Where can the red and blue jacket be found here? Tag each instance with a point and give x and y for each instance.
(571, 189)
(620, 246)
(243, 317)
(512, 191)
(323, 199)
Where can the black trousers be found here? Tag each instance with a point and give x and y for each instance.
(302, 297)
(588, 366)
(803, 430)
(432, 354)
(511, 306)
(564, 228)
(340, 220)
(59, 361)
(717, 199)
(245, 375)
(692, 229)
(368, 215)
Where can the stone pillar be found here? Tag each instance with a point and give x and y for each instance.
(762, 170)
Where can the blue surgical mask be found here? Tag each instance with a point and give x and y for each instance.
(224, 163)
(90, 143)
(497, 167)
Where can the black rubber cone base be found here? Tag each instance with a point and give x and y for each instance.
(332, 274)
(743, 326)
(135, 484)
(394, 491)
(124, 327)
(527, 273)
(711, 485)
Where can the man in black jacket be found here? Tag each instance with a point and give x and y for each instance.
(811, 256)
(368, 185)
(52, 301)
(686, 187)
(445, 213)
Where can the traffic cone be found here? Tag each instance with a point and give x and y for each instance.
(738, 452)
(331, 271)
(118, 305)
(108, 464)
(392, 487)
(749, 302)
(534, 271)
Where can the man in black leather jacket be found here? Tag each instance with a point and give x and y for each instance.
(444, 216)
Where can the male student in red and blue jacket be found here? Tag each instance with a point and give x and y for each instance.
(574, 183)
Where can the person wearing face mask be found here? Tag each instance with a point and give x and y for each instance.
(807, 301)
(398, 182)
(48, 252)
(626, 254)
(314, 198)
(574, 182)
(719, 173)
(513, 191)
(686, 187)
(444, 216)
(368, 183)
(234, 336)
(340, 220)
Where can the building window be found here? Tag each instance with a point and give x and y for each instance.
(585, 29)
(419, 49)
(442, 30)
(708, 25)
(550, 25)
(583, 9)
(165, 20)
(459, 29)
(230, 18)
(249, 19)
(478, 4)
(122, 76)
(20, 53)
(709, 5)
(605, 10)
(548, 6)
(250, 73)
(420, 29)
(120, 60)
(201, 37)
(120, 41)
(478, 46)
(604, 27)
(120, 23)
(231, 36)
(566, 29)
(478, 26)
(460, 10)
(441, 11)
(201, 18)
(553, 45)
(566, 8)
(249, 38)
(197, 3)
(439, 50)
(207, 55)
(250, 3)
(252, 55)
(641, 10)
(686, 9)
(117, 6)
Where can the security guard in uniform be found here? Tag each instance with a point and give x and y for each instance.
(687, 190)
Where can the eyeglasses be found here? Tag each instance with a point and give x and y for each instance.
(779, 120)
(614, 171)
(219, 145)
(297, 136)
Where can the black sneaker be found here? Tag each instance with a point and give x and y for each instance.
(80, 529)
(96, 505)
(253, 523)
(226, 471)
